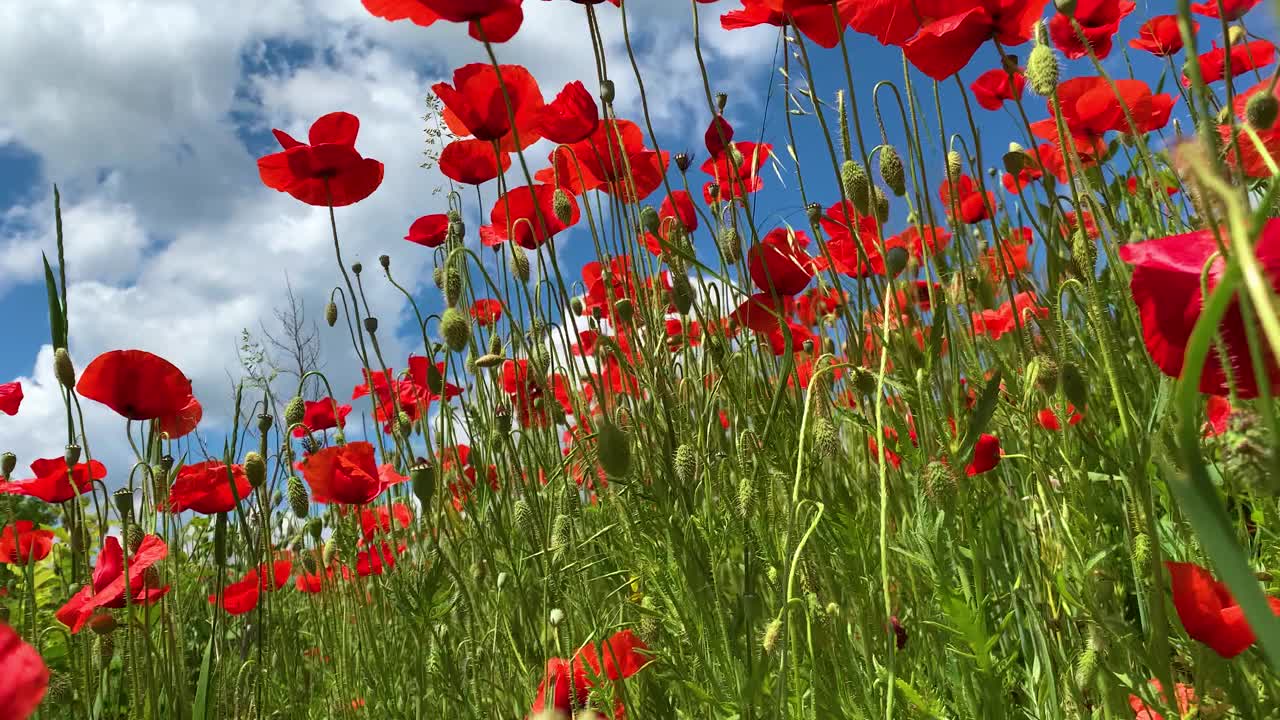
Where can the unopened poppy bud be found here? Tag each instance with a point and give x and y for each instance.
(316, 528)
(331, 313)
(63, 369)
(881, 203)
(133, 538)
(1066, 7)
(607, 91)
(1085, 253)
(624, 310)
(1042, 71)
(357, 268)
(437, 276)
(255, 469)
(8, 462)
(857, 186)
(892, 171)
(649, 220)
(614, 447)
(456, 329)
(489, 361)
(104, 623)
(1261, 110)
(826, 439)
(519, 263)
(955, 165)
(575, 305)
(683, 162)
(1073, 385)
(299, 502)
(561, 206)
(1041, 32)
(1047, 377)
(295, 412)
(452, 286)
(422, 479)
(730, 245)
(772, 632)
(331, 550)
(681, 293)
(123, 499)
(71, 454)
(404, 424)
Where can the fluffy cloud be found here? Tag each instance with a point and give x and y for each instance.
(150, 116)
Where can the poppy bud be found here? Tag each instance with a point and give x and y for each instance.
(8, 462)
(624, 310)
(63, 369)
(299, 502)
(371, 325)
(315, 527)
(857, 186)
(607, 91)
(104, 623)
(1261, 110)
(614, 448)
(489, 361)
(772, 632)
(561, 206)
(1042, 71)
(71, 454)
(330, 552)
(123, 499)
(826, 438)
(681, 293)
(955, 165)
(255, 469)
(730, 245)
(1066, 7)
(295, 411)
(649, 220)
(939, 480)
(331, 313)
(133, 538)
(1047, 377)
(881, 203)
(452, 286)
(686, 464)
(519, 263)
(1085, 253)
(892, 171)
(1073, 385)
(404, 424)
(437, 276)
(456, 329)
(683, 162)
(423, 481)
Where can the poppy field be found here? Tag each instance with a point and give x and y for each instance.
(888, 410)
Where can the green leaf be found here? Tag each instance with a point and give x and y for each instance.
(982, 414)
(203, 697)
(57, 317)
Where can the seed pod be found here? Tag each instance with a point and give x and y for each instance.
(683, 161)
(63, 369)
(892, 171)
(518, 263)
(1066, 7)
(614, 448)
(8, 462)
(71, 454)
(331, 313)
(423, 481)
(730, 245)
(857, 186)
(686, 464)
(1042, 71)
(123, 499)
(1261, 110)
(607, 91)
(456, 329)
(371, 325)
(255, 469)
(299, 502)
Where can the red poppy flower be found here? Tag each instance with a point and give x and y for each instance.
(1235, 9)
(108, 587)
(426, 384)
(527, 215)
(1244, 57)
(719, 135)
(1048, 418)
(345, 474)
(986, 455)
(378, 519)
(679, 205)
(51, 482)
(429, 230)
(1099, 22)
(1161, 35)
(814, 18)
(891, 457)
(995, 323)
(10, 397)
(1166, 288)
(136, 384)
(1251, 160)
(952, 30)
(963, 199)
(1185, 694)
(1132, 186)
(206, 488)
(993, 87)
(1217, 411)
(473, 162)
(24, 679)
(761, 312)
(240, 597)
(321, 415)
(737, 170)
(183, 422)
(23, 542)
(779, 263)
(1025, 177)
(571, 117)
(328, 171)
(475, 104)
(1090, 109)
(566, 684)
(486, 311)
(499, 24)
(529, 392)
(613, 160)
(1208, 611)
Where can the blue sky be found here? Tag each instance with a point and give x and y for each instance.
(150, 116)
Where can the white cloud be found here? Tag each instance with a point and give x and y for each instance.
(139, 111)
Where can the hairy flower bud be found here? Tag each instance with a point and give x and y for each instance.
(456, 329)
(826, 438)
(299, 502)
(681, 293)
(63, 369)
(133, 538)
(857, 186)
(624, 310)
(315, 527)
(892, 171)
(1262, 109)
(730, 245)
(1085, 253)
(955, 165)
(562, 206)
(255, 468)
(452, 286)
(331, 314)
(649, 220)
(519, 263)
(686, 464)
(1042, 71)
(1074, 385)
(295, 411)
(614, 448)
(880, 203)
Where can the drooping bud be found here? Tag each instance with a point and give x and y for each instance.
(299, 502)
(1262, 109)
(1235, 35)
(404, 424)
(519, 263)
(562, 206)
(649, 220)
(1047, 377)
(456, 329)
(8, 462)
(857, 186)
(892, 171)
(437, 276)
(881, 203)
(63, 369)
(423, 482)
(826, 439)
(295, 412)
(331, 313)
(681, 293)
(614, 448)
(133, 538)
(452, 286)
(489, 361)
(955, 165)
(1042, 71)
(315, 527)
(255, 469)
(730, 245)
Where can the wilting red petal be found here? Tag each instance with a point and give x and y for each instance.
(986, 455)
(10, 397)
(52, 482)
(21, 542)
(429, 230)
(23, 676)
(206, 488)
(136, 384)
